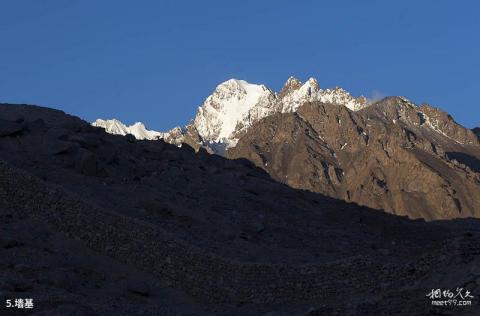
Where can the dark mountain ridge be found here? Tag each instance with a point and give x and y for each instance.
(202, 229)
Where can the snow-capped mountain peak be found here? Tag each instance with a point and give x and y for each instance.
(112, 126)
(298, 93)
(291, 84)
(138, 129)
(234, 106)
(227, 106)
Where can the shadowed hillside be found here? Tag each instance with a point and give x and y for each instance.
(108, 224)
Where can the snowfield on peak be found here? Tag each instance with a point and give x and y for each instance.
(138, 130)
(234, 106)
(229, 105)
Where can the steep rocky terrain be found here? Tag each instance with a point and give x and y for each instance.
(392, 155)
(94, 223)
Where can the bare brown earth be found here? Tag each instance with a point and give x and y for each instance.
(98, 224)
(387, 156)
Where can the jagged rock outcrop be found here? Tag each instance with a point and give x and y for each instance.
(392, 155)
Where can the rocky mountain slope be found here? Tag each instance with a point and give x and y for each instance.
(95, 223)
(393, 155)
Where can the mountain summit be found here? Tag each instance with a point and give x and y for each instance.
(234, 106)
(138, 129)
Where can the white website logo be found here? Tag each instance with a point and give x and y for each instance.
(458, 297)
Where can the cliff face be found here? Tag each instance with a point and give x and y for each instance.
(392, 155)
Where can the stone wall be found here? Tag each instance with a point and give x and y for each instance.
(201, 274)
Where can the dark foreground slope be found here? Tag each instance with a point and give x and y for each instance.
(106, 224)
(406, 159)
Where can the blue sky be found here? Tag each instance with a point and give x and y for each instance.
(156, 61)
